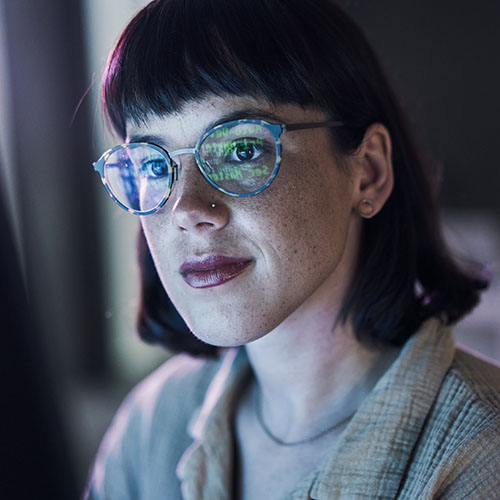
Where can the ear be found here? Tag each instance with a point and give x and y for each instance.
(374, 177)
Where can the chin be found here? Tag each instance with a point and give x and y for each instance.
(226, 334)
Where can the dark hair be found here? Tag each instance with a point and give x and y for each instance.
(306, 52)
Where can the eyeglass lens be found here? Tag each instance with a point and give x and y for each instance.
(139, 176)
(238, 158)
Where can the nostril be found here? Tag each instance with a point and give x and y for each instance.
(195, 213)
(208, 224)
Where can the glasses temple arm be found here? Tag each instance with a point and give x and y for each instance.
(303, 126)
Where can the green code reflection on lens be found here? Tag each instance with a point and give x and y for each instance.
(235, 173)
(227, 147)
(228, 174)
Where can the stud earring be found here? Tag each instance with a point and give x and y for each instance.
(366, 209)
(212, 205)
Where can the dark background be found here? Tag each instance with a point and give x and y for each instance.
(442, 58)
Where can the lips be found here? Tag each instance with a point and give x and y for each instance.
(213, 270)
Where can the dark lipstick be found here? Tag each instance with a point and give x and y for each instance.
(213, 270)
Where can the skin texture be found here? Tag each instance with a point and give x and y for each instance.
(302, 234)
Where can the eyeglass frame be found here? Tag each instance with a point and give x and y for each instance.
(276, 129)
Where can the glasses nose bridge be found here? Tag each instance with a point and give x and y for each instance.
(183, 151)
(180, 152)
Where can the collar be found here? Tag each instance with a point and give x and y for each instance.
(206, 467)
(372, 454)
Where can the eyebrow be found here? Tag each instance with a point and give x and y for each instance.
(240, 114)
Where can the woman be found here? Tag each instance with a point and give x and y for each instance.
(286, 211)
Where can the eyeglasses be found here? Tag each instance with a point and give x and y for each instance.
(239, 158)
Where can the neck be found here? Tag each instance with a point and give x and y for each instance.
(311, 371)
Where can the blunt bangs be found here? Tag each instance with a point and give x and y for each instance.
(174, 52)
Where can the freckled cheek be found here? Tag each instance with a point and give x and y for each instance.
(312, 227)
(293, 237)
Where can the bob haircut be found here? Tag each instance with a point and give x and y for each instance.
(309, 53)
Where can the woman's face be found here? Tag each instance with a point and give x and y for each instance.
(236, 268)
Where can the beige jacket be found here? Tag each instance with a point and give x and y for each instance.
(429, 429)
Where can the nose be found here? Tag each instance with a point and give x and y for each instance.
(197, 206)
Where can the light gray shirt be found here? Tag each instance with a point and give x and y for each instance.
(430, 428)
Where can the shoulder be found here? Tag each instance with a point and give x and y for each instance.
(182, 380)
(460, 442)
(480, 376)
(149, 432)
(469, 398)
(168, 396)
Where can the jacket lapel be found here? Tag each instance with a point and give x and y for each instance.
(205, 469)
(372, 455)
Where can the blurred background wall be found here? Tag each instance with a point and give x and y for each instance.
(76, 250)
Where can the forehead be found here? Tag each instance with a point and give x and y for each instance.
(196, 117)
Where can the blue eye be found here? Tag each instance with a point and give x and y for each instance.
(156, 167)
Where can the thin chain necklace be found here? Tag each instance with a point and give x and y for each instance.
(260, 419)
